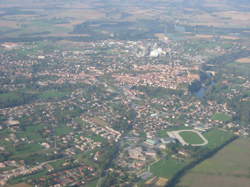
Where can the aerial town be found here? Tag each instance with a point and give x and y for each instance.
(69, 104)
(126, 94)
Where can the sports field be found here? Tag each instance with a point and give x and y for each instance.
(191, 137)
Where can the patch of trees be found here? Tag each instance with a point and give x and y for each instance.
(15, 99)
(2, 118)
(195, 86)
(50, 38)
(243, 112)
(124, 123)
(67, 114)
(141, 29)
(4, 156)
(223, 59)
(204, 76)
(107, 159)
(110, 178)
(203, 29)
(35, 34)
(23, 96)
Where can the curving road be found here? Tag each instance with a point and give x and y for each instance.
(176, 135)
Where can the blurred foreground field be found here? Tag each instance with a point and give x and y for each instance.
(230, 167)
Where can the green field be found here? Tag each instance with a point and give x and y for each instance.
(9, 96)
(97, 138)
(221, 117)
(25, 96)
(191, 137)
(22, 150)
(230, 167)
(9, 99)
(217, 137)
(32, 132)
(27, 149)
(92, 184)
(63, 130)
(178, 127)
(57, 164)
(167, 167)
(52, 94)
(162, 134)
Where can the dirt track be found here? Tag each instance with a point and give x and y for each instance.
(176, 135)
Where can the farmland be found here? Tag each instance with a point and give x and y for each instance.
(60, 20)
(20, 185)
(243, 60)
(229, 168)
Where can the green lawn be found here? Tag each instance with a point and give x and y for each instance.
(32, 132)
(25, 96)
(179, 127)
(162, 134)
(52, 94)
(28, 148)
(9, 96)
(63, 130)
(191, 137)
(167, 167)
(57, 164)
(9, 99)
(24, 151)
(221, 117)
(97, 138)
(92, 184)
(216, 137)
(4, 134)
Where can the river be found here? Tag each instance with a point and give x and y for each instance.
(202, 91)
